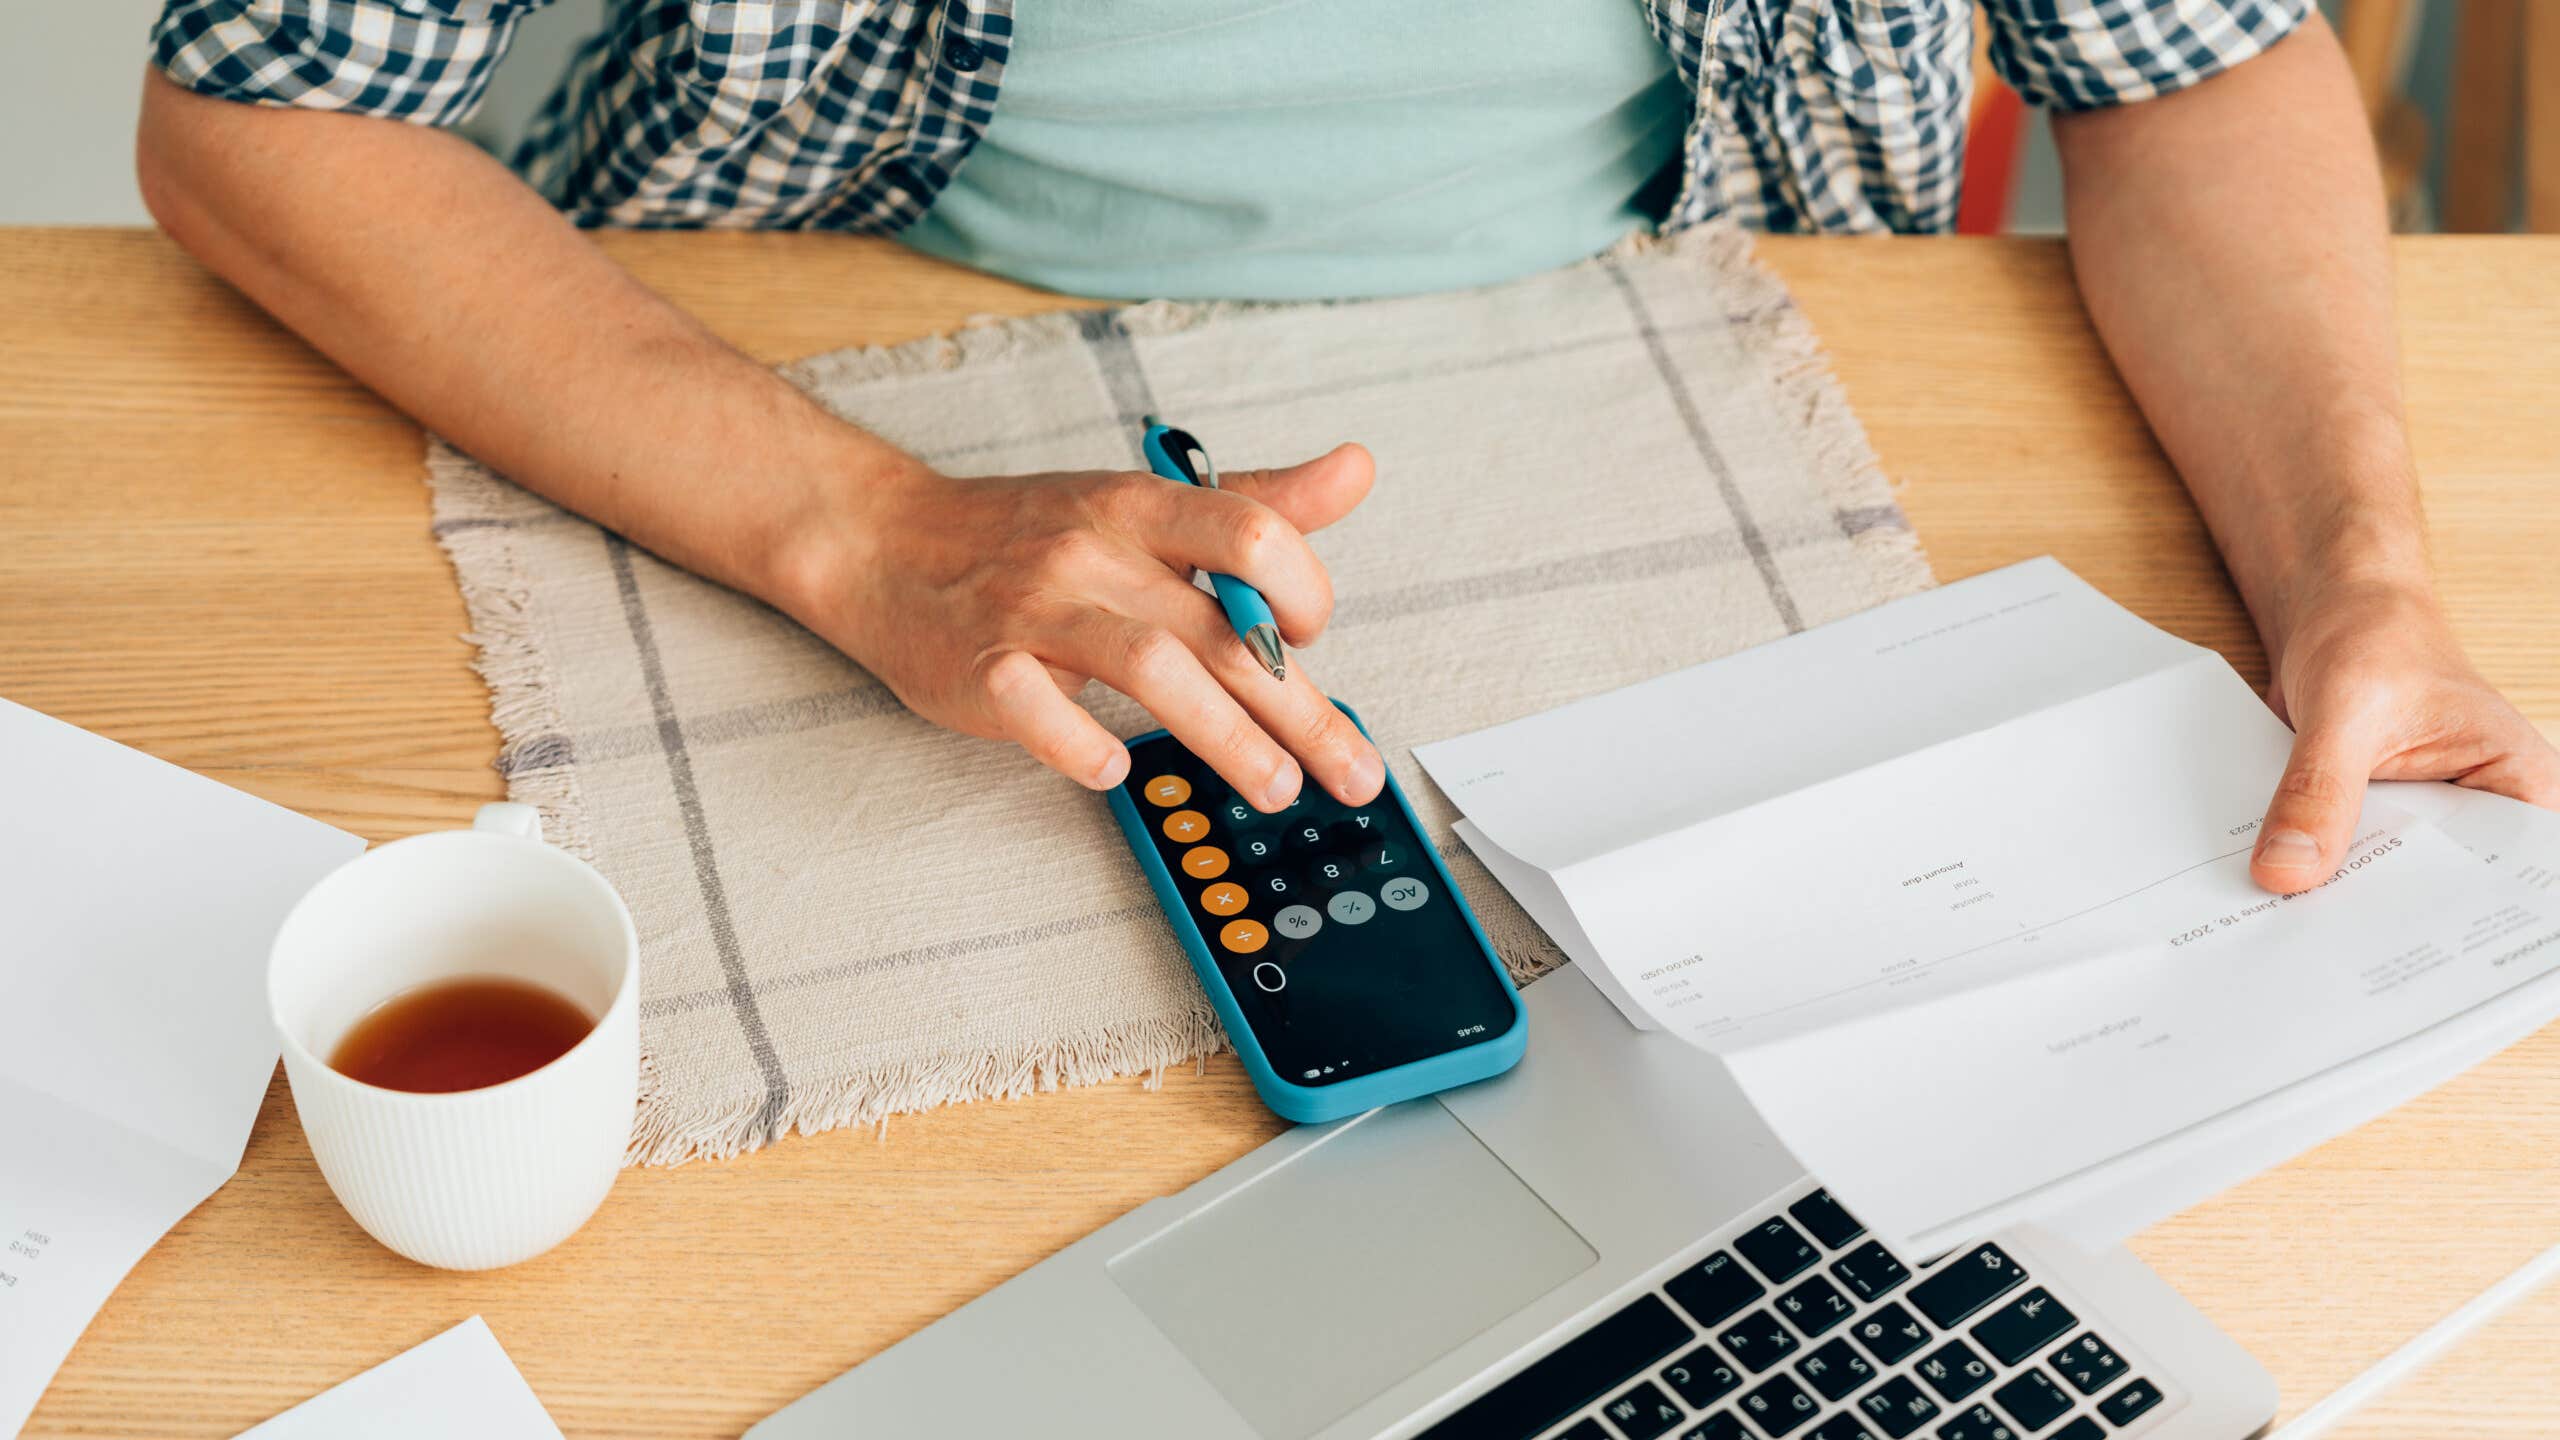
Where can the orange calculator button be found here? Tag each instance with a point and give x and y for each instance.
(1186, 825)
(1243, 936)
(1204, 862)
(1224, 898)
(1168, 790)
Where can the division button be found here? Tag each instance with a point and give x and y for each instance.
(1351, 907)
(1224, 898)
(1297, 922)
(1204, 862)
(1168, 790)
(1404, 893)
(1268, 976)
(1186, 825)
(1244, 937)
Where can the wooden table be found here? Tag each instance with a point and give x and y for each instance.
(213, 546)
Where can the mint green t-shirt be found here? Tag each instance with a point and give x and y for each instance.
(1263, 149)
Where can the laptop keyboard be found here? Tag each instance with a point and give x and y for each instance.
(1799, 1326)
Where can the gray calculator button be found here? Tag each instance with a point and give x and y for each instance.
(1297, 921)
(1404, 893)
(1351, 907)
(1269, 976)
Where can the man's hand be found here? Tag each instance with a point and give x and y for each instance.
(985, 603)
(2229, 241)
(2375, 686)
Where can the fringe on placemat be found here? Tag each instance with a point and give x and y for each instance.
(490, 564)
(735, 1124)
(468, 511)
(1846, 471)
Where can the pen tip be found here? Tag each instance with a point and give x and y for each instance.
(1264, 642)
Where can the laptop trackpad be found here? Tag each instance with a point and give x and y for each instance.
(1382, 1248)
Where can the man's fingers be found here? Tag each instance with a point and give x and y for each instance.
(1292, 711)
(1023, 702)
(2530, 774)
(2315, 807)
(1315, 494)
(1235, 535)
(1156, 668)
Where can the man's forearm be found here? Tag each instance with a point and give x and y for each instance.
(438, 278)
(2231, 245)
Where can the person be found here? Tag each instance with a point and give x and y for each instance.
(2225, 224)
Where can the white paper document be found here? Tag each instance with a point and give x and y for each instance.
(137, 902)
(458, 1384)
(1958, 888)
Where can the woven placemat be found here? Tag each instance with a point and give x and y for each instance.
(1585, 478)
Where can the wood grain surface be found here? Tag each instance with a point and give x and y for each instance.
(213, 546)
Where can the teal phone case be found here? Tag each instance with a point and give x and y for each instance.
(1308, 1104)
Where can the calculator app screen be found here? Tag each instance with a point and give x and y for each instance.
(1329, 924)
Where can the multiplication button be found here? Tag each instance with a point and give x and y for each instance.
(1224, 898)
(1404, 893)
(1351, 907)
(1297, 922)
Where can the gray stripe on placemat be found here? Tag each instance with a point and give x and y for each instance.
(1673, 381)
(1122, 377)
(697, 832)
(1627, 562)
(894, 959)
(1453, 849)
(1326, 390)
(788, 716)
(803, 713)
(1861, 519)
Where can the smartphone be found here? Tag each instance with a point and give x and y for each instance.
(1347, 967)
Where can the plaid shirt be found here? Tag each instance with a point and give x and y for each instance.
(1825, 115)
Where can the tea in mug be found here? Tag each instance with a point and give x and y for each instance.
(461, 1035)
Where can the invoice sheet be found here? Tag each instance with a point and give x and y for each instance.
(459, 1384)
(1958, 888)
(137, 902)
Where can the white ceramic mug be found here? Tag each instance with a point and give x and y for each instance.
(470, 1179)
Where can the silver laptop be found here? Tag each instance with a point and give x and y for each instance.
(1603, 1244)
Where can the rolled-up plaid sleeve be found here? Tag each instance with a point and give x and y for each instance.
(2084, 54)
(426, 61)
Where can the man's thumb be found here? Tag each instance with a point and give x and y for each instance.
(2314, 811)
(1315, 494)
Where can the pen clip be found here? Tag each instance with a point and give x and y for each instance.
(1186, 452)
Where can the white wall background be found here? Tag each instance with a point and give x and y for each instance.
(71, 82)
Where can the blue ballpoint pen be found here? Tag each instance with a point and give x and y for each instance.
(1175, 455)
